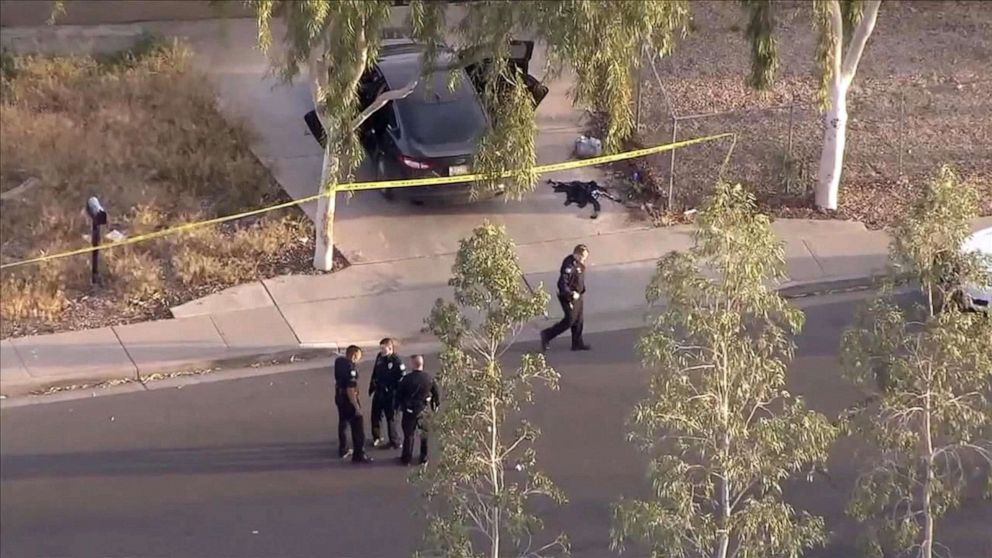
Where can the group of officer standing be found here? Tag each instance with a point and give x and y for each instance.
(392, 389)
(411, 393)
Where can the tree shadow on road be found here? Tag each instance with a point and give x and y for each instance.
(302, 456)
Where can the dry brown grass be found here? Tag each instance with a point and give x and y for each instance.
(143, 132)
(921, 98)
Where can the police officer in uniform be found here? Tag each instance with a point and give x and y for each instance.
(417, 391)
(571, 295)
(349, 408)
(386, 374)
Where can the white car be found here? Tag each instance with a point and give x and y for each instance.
(979, 297)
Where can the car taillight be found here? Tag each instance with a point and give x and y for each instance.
(414, 164)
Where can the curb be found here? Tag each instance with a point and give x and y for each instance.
(252, 360)
(190, 368)
(800, 289)
(616, 320)
(633, 317)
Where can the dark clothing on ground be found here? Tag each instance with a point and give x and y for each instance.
(386, 374)
(417, 391)
(582, 193)
(571, 280)
(349, 415)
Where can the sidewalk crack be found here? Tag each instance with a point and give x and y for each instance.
(281, 315)
(219, 332)
(527, 283)
(137, 371)
(815, 259)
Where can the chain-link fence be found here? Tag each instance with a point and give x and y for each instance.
(897, 132)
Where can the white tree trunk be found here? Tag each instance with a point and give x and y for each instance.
(323, 254)
(494, 471)
(723, 522)
(845, 66)
(832, 155)
(926, 547)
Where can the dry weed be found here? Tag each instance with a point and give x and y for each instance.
(35, 294)
(142, 131)
(133, 274)
(211, 256)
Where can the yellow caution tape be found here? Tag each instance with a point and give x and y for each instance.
(354, 186)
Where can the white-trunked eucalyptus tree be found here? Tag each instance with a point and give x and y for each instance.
(928, 422)
(335, 42)
(719, 426)
(843, 28)
(480, 489)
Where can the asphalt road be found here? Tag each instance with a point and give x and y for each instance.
(247, 468)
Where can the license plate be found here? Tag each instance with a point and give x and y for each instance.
(457, 169)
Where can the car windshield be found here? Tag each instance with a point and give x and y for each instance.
(433, 114)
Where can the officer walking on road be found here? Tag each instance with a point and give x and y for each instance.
(349, 408)
(386, 374)
(571, 295)
(417, 391)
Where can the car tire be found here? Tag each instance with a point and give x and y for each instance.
(381, 176)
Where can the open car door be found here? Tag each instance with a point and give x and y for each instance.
(520, 55)
(315, 127)
(370, 87)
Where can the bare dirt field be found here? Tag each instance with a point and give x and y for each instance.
(141, 130)
(921, 98)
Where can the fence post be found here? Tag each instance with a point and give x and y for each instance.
(639, 85)
(788, 151)
(671, 170)
(902, 130)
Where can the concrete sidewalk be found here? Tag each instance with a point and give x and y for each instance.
(314, 315)
(392, 298)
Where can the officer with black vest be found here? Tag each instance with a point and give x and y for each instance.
(349, 407)
(386, 374)
(571, 295)
(417, 391)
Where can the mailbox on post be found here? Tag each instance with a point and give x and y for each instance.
(98, 216)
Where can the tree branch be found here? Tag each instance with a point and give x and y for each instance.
(953, 448)
(462, 61)
(318, 82)
(837, 30)
(859, 39)
(523, 438)
(381, 101)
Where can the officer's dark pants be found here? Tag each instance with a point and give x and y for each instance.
(411, 423)
(383, 406)
(348, 418)
(572, 320)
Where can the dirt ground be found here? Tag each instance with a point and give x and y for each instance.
(921, 98)
(141, 130)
